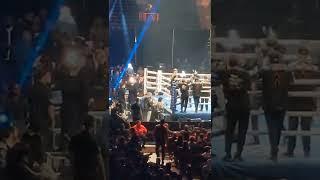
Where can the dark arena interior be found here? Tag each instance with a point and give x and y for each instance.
(160, 89)
(53, 69)
(266, 66)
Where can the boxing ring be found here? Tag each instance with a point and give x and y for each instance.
(158, 83)
(256, 164)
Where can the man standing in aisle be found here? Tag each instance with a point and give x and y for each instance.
(86, 155)
(161, 138)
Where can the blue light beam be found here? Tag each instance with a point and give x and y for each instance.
(136, 45)
(124, 26)
(112, 9)
(40, 42)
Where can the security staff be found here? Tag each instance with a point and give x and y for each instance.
(173, 90)
(236, 84)
(275, 83)
(302, 69)
(184, 89)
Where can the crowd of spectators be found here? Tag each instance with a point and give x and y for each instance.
(188, 150)
(66, 80)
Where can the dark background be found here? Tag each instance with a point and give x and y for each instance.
(248, 16)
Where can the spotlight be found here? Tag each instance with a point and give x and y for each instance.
(132, 80)
(73, 58)
(234, 39)
(233, 34)
(130, 70)
(130, 66)
(149, 7)
(3, 118)
(183, 74)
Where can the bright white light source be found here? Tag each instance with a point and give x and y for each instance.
(66, 15)
(234, 39)
(233, 34)
(130, 66)
(3, 118)
(132, 80)
(73, 58)
(183, 74)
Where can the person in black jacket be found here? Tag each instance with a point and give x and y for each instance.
(275, 83)
(136, 111)
(236, 84)
(196, 92)
(161, 138)
(184, 89)
(75, 95)
(86, 154)
(42, 109)
(173, 90)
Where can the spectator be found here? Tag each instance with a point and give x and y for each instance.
(8, 139)
(22, 52)
(141, 131)
(43, 14)
(17, 107)
(32, 138)
(122, 100)
(136, 111)
(161, 138)
(185, 133)
(42, 110)
(18, 166)
(75, 95)
(134, 143)
(98, 32)
(86, 156)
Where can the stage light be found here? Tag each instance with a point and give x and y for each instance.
(130, 70)
(66, 16)
(73, 58)
(112, 9)
(3, 118)
(130, 66)
(124, 26)
(137, 44)
(132, 80)
(149, 7)
(233, 39)
(233, 34)
(183, 74)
